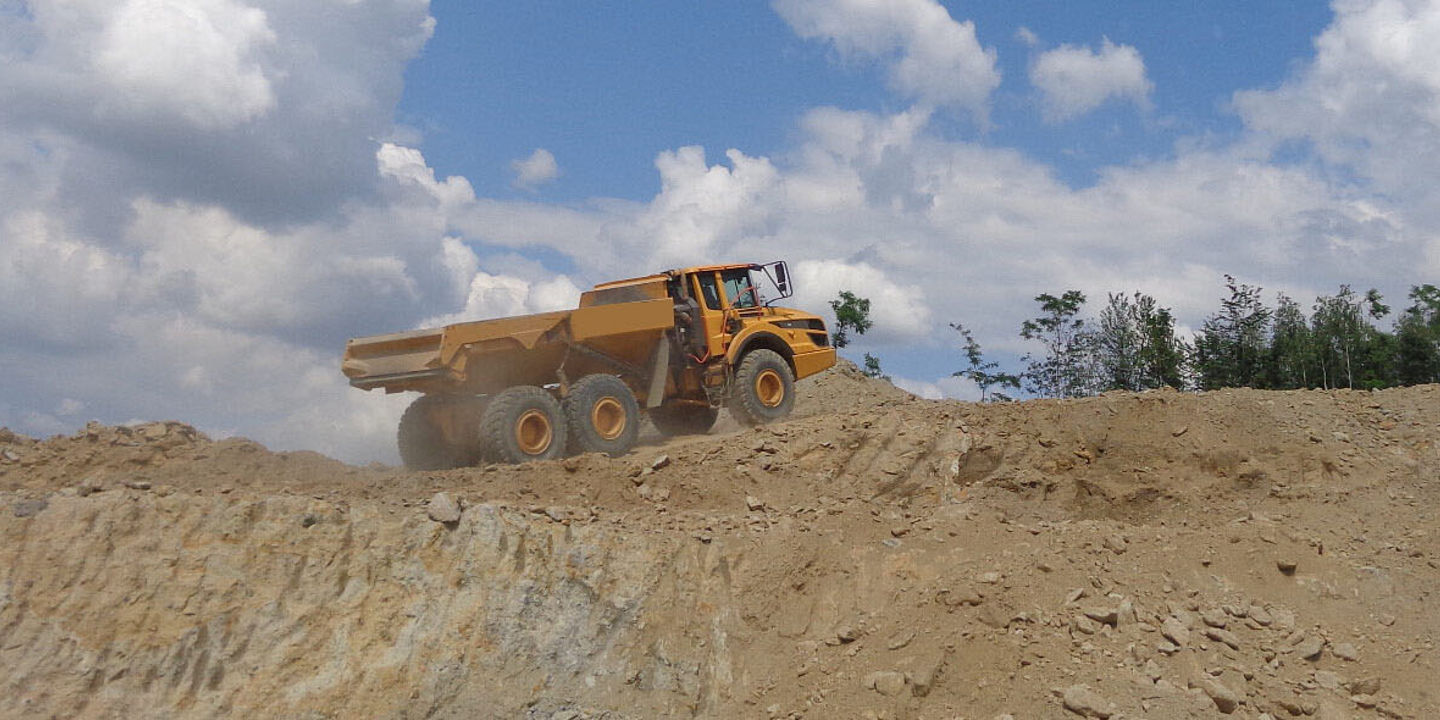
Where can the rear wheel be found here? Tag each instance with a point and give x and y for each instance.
(683, 418)
(424, 443)
(603, 415)
(764, 388)
(523, 423)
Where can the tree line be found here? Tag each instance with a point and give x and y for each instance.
(1131, 344)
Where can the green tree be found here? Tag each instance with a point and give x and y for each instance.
(1417, 338)
(1135, 347)
(1351, 352)
(1231, 346)
(872, 368)
(1292, 351)
(851, 314)
(1164, 358)
(984, 373)
(1117, 342)
(1064, 370)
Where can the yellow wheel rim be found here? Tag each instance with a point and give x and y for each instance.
(533, 432)
(769, 388)
(607, 416)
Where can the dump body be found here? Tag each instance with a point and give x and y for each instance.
(619, 328)
(487, 356)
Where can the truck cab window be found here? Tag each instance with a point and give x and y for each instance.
(708, 290)
(739, 290)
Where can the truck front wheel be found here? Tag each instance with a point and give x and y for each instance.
(764, 389)
(603, 415)
(523, 423)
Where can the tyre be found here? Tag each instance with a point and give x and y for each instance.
(603, 415)
(764, 389)
(683, 418)
(421, 437)
(523, 423)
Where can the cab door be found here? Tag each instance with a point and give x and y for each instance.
(727, 298)
(706, 287)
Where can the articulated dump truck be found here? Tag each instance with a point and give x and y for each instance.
(680, 344)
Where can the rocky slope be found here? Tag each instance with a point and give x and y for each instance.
(1159, 555)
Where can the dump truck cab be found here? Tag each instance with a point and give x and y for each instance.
(723, 312)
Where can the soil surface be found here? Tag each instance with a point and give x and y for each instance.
(1155, 555)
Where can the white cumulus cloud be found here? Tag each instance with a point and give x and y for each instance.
(537, 169)
(491, 295)
(930, 56)
(898, 311)
(701, 208)
(951, 387)
(56, 291)
(198, 59)
(1075, 80)
(407, 165)
(1369, 102)
(267, 107)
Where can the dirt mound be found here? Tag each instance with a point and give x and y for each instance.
(1158, 555)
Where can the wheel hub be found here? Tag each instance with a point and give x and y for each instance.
(533, 432)
(607, 416)
(769, 388)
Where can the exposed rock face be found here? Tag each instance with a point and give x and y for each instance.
(875, 556)
(233, 607)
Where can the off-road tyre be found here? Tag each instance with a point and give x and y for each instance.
(602, 414)
(521, 424)
(683, 418)
(422, 443)
(764, 389)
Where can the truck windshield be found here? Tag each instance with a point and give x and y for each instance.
(739, 290)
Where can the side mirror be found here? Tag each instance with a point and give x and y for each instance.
(782, 278)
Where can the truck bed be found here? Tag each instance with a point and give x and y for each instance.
(488, 355)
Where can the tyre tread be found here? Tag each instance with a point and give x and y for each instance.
(577, 414)
(497, 423)
(420, 445)
(745, 407)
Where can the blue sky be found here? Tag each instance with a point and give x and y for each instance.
(606, 87)
(200, 200)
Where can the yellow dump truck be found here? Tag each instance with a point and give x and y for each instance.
(680, 344)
